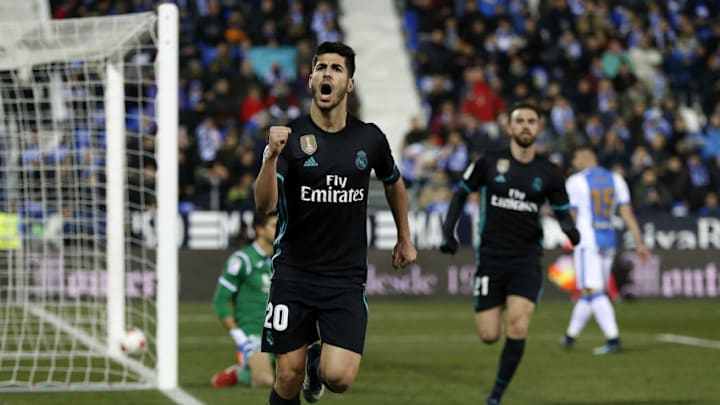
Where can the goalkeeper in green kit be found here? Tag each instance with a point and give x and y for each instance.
(239, 301)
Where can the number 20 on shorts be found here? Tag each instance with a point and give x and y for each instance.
(276, 317)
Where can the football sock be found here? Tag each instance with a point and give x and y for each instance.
(243, 376)
(580, 315)
(276, 399)
(509, 361)
(605, 315)
(316, 369)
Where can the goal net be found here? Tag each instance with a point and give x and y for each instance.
(88, 163)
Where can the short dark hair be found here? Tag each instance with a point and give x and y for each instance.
(585, 148)
(340, 49)
(525, 105)
(261, 219)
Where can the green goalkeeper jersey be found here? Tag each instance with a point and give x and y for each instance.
(245, 281)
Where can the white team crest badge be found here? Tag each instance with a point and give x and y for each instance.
(308, 144)
(503, 165)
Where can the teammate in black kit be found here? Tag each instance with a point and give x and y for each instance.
(316, 173)
(515, 183)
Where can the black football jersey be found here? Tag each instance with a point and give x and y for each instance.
(512, 194)
(323, 181)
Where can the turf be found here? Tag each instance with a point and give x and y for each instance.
(424, 352)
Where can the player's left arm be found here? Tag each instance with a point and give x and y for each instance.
(221, 305)
(622, 194)
(560, 203)
(386, 171)
(573, 192)
(404, 252)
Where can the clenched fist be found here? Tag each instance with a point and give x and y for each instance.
(277, 138)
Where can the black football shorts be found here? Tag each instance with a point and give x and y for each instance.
(298, 313)
(500, 276)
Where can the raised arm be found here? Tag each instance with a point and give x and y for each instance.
(266, 189)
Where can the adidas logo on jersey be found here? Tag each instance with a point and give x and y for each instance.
(311, 162)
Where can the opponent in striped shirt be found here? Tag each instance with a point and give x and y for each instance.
(595, 195)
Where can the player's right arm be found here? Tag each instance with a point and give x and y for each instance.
(473, 178)
(223, 309)
(229, 282)
(266, 187)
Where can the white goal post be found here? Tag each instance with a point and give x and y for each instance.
(88, 147)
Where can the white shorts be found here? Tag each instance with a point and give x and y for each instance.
(592, 267)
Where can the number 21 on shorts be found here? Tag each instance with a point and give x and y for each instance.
(480, 285)
(276, 317)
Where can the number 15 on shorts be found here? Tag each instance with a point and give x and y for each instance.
(276, 317)
(480, 285)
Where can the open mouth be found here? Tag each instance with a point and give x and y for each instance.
(325, 91)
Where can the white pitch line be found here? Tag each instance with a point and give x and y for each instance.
(376, 338)
(422, 316)
(181, 397)
(689, 340)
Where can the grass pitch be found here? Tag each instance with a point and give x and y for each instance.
(424, 352)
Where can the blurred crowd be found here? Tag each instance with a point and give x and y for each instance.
(226, 101)
(639, 80)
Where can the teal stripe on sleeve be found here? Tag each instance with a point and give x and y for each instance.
(482, 216)
(394, 176)
(282, 218)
